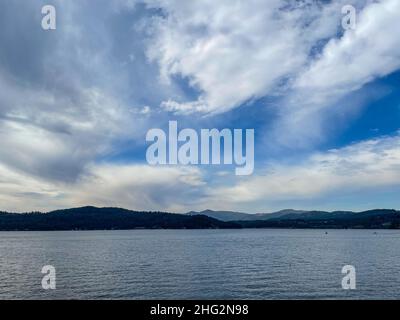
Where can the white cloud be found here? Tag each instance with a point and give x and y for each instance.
(366, 165)
(63, 99)
(53, 135)
(136, 187)
(19, 191)
(186, 107)
(329, 91)
(356, 169)
(139, 187)
(361, 55)
(235, 51)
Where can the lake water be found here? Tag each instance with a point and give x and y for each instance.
(200, 264)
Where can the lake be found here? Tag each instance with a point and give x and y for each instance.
(201, 264)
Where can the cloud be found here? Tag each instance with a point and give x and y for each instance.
(356, 169)
(19, 191)
(331, 88)
(137, 187)
(366, 165)
(61, 105)
(51, 135)
(233, 52)
(71, 98)
(361, 55)
(295, 51)
(140, 187)
(185, 108)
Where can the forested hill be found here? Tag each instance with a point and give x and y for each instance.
(371, 219)
(92, 218)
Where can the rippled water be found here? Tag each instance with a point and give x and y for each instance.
(200, 264)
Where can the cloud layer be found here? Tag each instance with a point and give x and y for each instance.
(359, 167)
(75, 103)
(368, 165)
(233, 52)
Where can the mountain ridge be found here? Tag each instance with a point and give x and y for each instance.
(107, 218)
(110, 218)
(284, 214)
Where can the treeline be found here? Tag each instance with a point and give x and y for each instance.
(92, 218)
(372, 219)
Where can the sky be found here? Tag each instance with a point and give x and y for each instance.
(76, 103)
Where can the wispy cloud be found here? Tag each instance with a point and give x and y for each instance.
(72, 100)
(356, 168)
(344, 66)
(138, 187)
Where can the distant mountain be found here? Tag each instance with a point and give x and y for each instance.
(279, 214)
(223, 215)
(240, 216)
(92, 218)
(289, 218)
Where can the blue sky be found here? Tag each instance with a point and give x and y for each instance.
(76, 103)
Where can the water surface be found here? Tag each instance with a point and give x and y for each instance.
(200, 264)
